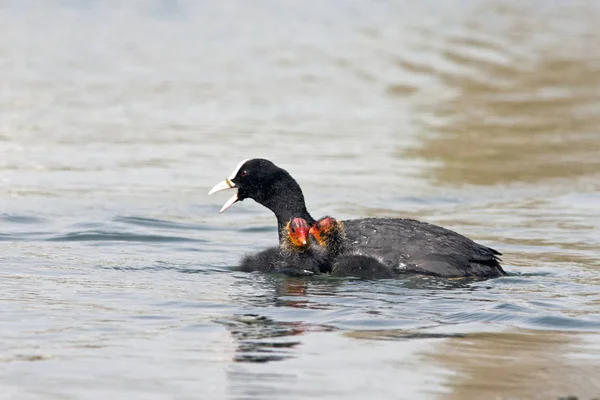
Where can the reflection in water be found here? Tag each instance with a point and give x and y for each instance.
(261, 339)
(292, 293)
(518, 101)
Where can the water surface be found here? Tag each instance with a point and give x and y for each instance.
(116, 119)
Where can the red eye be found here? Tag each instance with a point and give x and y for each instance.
(244, 173)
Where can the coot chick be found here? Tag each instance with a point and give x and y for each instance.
(295, 256)
(300, 252)
(414, 246)
(329, 233)
(361, 266)
(263, 261)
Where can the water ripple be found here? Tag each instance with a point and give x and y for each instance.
(21, 219)
(100, 236)
(158, 223)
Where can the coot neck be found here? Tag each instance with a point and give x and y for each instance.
(286, 200)
(285, 217)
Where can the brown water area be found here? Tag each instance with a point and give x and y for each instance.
(532, 365)
(524, 112)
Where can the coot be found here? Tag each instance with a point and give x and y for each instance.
(344, 260)
(295, 256)
(407, 245)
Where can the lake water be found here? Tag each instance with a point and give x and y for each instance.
(116, 118)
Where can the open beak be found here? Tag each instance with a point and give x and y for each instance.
(228, 184)
(224, 185)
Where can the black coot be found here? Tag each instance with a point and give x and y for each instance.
(295, 256)
(345, 261)
(406, 245)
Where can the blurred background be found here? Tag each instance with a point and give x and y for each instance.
(116, 118)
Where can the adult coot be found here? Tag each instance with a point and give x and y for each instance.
(344, 260)
(406, 245)
(295, 256)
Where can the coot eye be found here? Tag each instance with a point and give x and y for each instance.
(244, 173)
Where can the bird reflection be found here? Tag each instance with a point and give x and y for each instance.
(260, 339)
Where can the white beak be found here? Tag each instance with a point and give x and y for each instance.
(228, 184)
(224, 185)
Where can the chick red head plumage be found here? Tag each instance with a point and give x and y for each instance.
(297, 232)
(323, 229)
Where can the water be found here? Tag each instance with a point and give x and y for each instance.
(116, 119)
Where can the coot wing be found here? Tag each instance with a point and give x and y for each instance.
(411, 246)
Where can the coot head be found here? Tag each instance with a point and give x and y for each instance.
(269, 185)
(329, 233)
